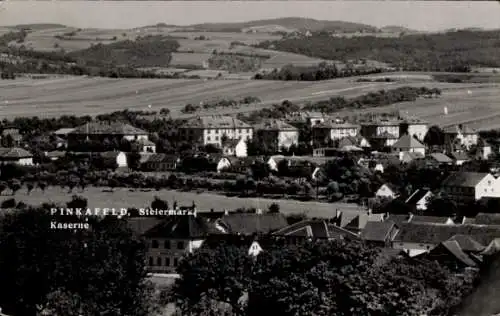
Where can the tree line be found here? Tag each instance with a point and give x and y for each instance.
(455, 51)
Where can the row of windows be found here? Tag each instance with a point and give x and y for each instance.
(217, 138)
(237, 131)
(167, 244)
(163, 262)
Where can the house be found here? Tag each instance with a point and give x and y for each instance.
(331, 130)
(48, 141)
(419, 199)
(459, 157)
(412, 218)
(276, 134)
(408, 143)
(387, 190)
(235, 147)
(470, 186)
(275, 160)
(205, 130)
(357, 141)
(353, 220)
(159, 162)
(414, 127)
(467, 244)
(15, 155)
(409, 157)
(101, 131)
(145, 146)
(251, 223)
(173, 238)
(235, 164)
(439, 159)
(379, 233)
(306, 229)
(381, 127)
(383, 140)
(325, 152)
(487, 219)
(417, 238)
(462, 134)
(450, 253)
(118, 157)
(310, 118)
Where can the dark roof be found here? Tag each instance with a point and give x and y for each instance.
(487, 219)
(251, 223)
(161, 158)
(182, 227)
(110, 154)
(428, 219)
(14, 153)
(140, 225)
(452, 248)
(398, 218)
(107, 128)
(348, 217)
(306, 228)
(274, 125)
(441, 158)
(464, 179)
(437, 233)
(467, 243)
(215, 121)
(377, 231)
(406, 141)
(417, 196)
(337, 232)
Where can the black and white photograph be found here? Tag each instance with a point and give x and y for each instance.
(249, 158)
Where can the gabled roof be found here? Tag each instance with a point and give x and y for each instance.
(417, 196)
(348, 217)
(453, 248)
(55, 154)
(428, 219)
(406, 141)
(14, 153)
(487, 219)
(182, 227)
(306, 228)
(389, 186)
(492, 248)
(140, 225)
(398, 218)
(160, 158)
(377, 231)
(251, 223)
(337, 232)
(467, 243)
(275, 125)
(107, 128)
(216, 121)
(441, 158)
(437, 233)
(464, 179)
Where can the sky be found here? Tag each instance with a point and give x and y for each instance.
(418, 15)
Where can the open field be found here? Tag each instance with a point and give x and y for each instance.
(91, 96)
(124, 198)
(189, 59)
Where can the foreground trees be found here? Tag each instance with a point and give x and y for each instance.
(65, 272)
(337, 278)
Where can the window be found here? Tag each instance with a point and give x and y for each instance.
(158, 261)
(217, 138)
(248, 131)
(166, 244)
(180, 245)
(489, 182)
(167, 262)
(208, 138)
(154, 244)
(176, 262)
(216, 131)
(150, 261)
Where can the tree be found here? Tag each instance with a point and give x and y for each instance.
(100, 270)
(133, 160)
(434, 137)
(29, 186)
(42, 185)
(3, 187)
(77, 202)
(159, 204)
(14, 186)
(274, 208)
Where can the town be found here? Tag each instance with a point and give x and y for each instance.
(292, 166)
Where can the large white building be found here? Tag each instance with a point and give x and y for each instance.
(470, 186)
(212, 130)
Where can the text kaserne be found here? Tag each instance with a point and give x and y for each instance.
(89, 211)
(62, 226)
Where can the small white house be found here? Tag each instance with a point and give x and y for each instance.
(146, 146)
(16, 155)
(386, 191)
(419, 199)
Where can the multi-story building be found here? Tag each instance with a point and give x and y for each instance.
(214, 129)
(104, 130)
(464, 187)
(276, 134)
(332, 130)
(381, 127)
(409, 144)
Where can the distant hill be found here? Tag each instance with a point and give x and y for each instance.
(300, 24)
(396, 29)
(38, 27)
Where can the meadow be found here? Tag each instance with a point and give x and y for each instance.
(466, 102)
(126, 198)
